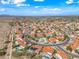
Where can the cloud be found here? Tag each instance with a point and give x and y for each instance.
(72, 2)
(69, 1)
(44, 11)
(15, 2)
(18, 1)
(19, 5)
(5, 2)
(2, 9)
(52, 9)
(47, 11)
(39, 0)
(36, 6)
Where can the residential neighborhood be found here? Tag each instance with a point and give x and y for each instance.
(39, 38)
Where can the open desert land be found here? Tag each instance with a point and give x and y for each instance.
(4, 32)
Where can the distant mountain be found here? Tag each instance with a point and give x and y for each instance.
(6, 15)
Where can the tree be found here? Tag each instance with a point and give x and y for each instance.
(69, 48)
(2, 52)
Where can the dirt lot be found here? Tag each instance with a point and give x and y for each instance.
(4, 31)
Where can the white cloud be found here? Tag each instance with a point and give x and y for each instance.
(2, 9)
(12, 1)
(5, 2)
(16, 2)
(52, 9)
(34, 12)
(19, 5)
(47, 11)
(36, 6)
(39, 0)
(71, 2)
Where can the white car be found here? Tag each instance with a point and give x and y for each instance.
(57, 56)
(77, 50)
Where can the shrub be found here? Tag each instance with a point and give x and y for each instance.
(2, 52)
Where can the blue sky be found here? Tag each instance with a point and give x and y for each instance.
(39, 7)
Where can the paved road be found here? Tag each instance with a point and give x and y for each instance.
(59, 45)
(72, 54)
(49, 44)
